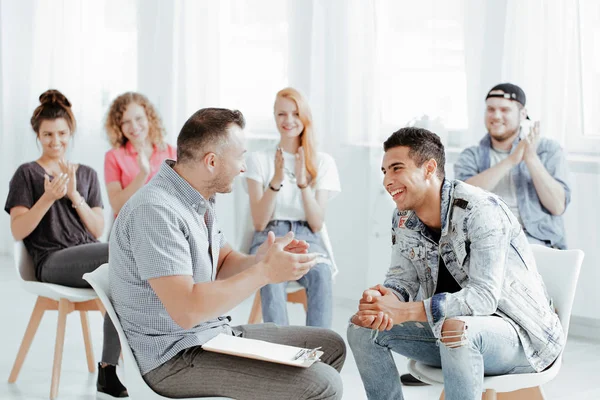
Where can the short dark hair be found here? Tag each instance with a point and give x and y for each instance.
(423, 144)
(204, 127)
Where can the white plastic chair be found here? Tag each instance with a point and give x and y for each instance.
(52, 297)
(560, 271)
(136, 385)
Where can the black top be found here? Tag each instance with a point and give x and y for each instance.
(61, 226)
(445, 282)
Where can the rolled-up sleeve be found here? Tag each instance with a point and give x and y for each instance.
(557, 166)
(488, 231)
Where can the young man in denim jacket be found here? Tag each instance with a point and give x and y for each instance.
(485, 308)
(528, 172)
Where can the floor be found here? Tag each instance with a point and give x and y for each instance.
(578, 378)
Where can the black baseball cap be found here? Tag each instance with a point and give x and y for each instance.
(511, 92)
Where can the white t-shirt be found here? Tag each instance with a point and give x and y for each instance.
(506, 188)
(260, 167)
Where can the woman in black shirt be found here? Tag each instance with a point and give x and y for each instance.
(55, 208)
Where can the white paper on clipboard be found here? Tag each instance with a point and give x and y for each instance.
(259, 350)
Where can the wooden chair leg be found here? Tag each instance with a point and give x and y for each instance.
(101, 307)
(299, 296)
(532, 393)
(256, 312)
(489, 394)
(63, 310)
(87, 340)
(34, 323)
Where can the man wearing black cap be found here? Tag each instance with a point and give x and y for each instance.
(529, 172)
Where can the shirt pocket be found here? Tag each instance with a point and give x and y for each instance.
(530, 312)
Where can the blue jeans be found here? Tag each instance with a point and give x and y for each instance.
(318, 281)
(490, 346)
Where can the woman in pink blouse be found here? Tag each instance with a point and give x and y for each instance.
(137, 136)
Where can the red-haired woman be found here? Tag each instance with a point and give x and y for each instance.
(289, 187)
(137, 136)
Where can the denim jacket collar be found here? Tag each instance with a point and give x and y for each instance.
(415, 224)
(486, 144)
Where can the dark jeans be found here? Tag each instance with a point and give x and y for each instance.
(66, 267)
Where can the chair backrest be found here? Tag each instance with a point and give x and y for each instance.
(560, 272)
(136, 386)
(23, 262)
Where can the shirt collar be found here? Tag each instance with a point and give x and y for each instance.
(191, 195)
(487, 141)
(130, 148)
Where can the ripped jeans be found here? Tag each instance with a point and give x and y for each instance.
(488, 345)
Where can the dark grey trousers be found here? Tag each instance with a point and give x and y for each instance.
(195, 372)
(66, 267)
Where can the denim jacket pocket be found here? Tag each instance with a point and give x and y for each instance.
(529, 313)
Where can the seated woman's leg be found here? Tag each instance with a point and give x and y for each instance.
(319, 291)
(273, 296)
(274, 303)
(66, 267)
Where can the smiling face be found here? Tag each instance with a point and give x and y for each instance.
(287, 118)
(231, 160)
(404, 180)
(134, 124)
(503, 118)
(54, 135)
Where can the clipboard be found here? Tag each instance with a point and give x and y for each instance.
(264, 351)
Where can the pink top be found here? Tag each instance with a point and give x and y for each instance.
(120, 165)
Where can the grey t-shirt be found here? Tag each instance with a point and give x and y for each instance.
(61, 226)
(506, 188)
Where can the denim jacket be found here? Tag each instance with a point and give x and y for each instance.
(538, 222)
(484, 248)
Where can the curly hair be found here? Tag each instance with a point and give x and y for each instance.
(114, 120)
(53, 105)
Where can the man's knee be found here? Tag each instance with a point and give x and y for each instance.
(454, 333)
(359, 337)
(325, 384)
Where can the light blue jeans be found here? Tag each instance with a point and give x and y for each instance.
(490, 346)
(318, 281)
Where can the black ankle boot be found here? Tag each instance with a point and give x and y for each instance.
(108, 382)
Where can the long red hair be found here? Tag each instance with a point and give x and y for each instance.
(307, 137)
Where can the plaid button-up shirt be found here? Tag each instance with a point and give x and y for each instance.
(167, 228)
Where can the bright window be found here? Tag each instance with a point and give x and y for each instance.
(421, 62)
(254, 59)
(88, 51)
(589, 16)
